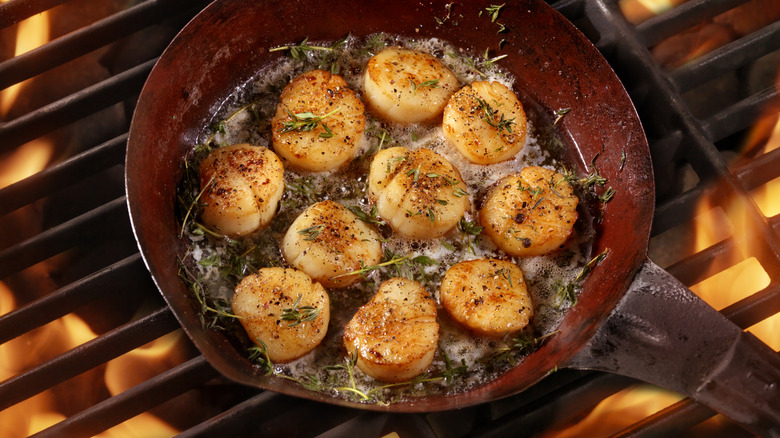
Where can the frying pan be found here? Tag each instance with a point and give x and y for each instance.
(631, 318)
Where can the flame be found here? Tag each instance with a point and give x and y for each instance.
(27, 350)
(619, 411)
(25, 161)
(31, 157)
(637, 11)
(31, 34)
(46, 342)
(136, 367)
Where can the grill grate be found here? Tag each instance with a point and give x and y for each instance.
(679, 140)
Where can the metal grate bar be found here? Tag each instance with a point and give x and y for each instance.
(671, 421)
(91, 37)
(693, 269)
(682, 17)
(87, 356)
(759, 170)
(553, 382)
(557, 407)
(755, 308)
(112, 215)
(727, 58)
(63, 174)
(15, 11)
(74, 107)
(676, 211)
(134, 401)
(119, 278)
(289, 423)
(245, 418)
(739, 116)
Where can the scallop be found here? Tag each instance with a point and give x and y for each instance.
(485, 122)
(319, 122)
(531, 213)
(283, 309)
(241, 188)
(407, 86)
(394, 336)
(487, 296)
(419, 193)
(328, 242)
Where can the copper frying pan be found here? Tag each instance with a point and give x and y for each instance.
(631, 318)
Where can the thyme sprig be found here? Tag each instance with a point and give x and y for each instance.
(432, 83)
(311, 233)
(494, 11)
(622, 160)
(297, 315)
(469, 229)
(217, 309)
(364, 270)
(559, 113)
(220, 127)
(524, 342)
(443, 20)
(372, 217)
(299, 51)
(587, 182)
(607, 195)
(506, 274)
(490, 62)
(451, 372)
(489, 116)
(307, 121)
(567, 292)
(195, 203)
(352, 388)
(484, 62)
(329, 54)
(259, 354)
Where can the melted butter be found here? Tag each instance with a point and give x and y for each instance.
(245, 116)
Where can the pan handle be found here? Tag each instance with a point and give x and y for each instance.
(662, 333)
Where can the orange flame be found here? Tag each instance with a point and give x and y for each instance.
(31, 157)
(134, 368)
(18, 355)
(712, 224)
(40, 412)
(32, 33)
(637, 11)
(46, 342)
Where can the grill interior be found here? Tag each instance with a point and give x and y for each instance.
(66, 246)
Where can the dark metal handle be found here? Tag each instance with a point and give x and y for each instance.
(662, 333)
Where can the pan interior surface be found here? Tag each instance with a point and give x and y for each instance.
(556, 68)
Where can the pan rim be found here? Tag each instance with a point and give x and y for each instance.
(135, 164)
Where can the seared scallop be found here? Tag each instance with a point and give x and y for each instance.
(419, 193)
(488, 297)
(328, 242)
(242, 186)
(407, 86)
(530, 213)
(395, 334)
(485, 122)
(284, 309)
(318, 123)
